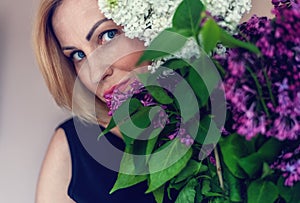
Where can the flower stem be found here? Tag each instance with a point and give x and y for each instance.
(198, 41)
(220, 68)
(269, 87)
(219, 169)
(259, 89)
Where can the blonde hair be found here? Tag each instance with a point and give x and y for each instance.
(58, 71)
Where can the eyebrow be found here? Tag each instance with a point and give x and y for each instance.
(97, 24)
(68, 48)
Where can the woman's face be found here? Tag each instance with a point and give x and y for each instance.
(102, 56)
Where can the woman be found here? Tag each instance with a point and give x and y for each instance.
(73, 38)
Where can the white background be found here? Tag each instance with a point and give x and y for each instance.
(28, 114)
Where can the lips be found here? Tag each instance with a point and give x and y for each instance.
(109, 91)
(121, 86)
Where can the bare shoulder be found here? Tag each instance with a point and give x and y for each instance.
(55, 173)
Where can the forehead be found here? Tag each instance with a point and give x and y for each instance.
(72, 20)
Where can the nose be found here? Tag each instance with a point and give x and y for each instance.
(99, 67)
(108, 72)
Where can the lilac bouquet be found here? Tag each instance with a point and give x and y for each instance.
(184, 150)
(263, 91)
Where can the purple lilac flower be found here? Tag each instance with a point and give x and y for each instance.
(289, 166)
(212, 160)
(183, 135)
(277, 70)
(279, 4)
(115, 99)
(291, 173)
(236, 64)
(249, 124)
(286, 125)
(285, 128)
(148, 100)
(161, 119)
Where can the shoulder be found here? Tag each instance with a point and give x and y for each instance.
(58, 149)
(55, 173)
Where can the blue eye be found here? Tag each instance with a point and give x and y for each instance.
(108, 35)
(77, 56)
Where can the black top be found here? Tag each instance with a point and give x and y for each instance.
(92, 161)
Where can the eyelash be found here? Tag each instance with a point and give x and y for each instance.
(73, 54)
(100, 37)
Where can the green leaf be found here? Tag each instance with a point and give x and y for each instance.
(266, 170)
(203, 77)
(152, 141)
(144, 77)
(141, 118)
(289, 194)
(134, 105)
(198, 86)
(203, 129)
(191, 169)
(188, 15)
(167, 163)
(166, 43)
(213, 194)
(140, 161)
(176, 186)
(175, 64)
(219, 200)
(152, 54)
(215, 184)
(262, 192)
(128, 118)
(187, 101)
(203, 168)
(126, 177)
(188, 193)
(229, 41)
(199, 196)
(251, 164)
(159, 94)
(183, 32)
(125, 181)
(159, 194)
(110, 126)
(271, 149)
(210, 35)
(234, 186)
(268, 152)
(134, 125)
(233, 147)
(208, 132)
(205, 189)
(144, 145)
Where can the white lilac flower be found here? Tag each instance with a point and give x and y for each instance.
(188, 51)
(229, 11)
(145, 19)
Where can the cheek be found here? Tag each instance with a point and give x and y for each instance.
(95, 88)
(84, 76)
(128, 62)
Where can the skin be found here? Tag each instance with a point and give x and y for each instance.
(83, 51)
(72, 23)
